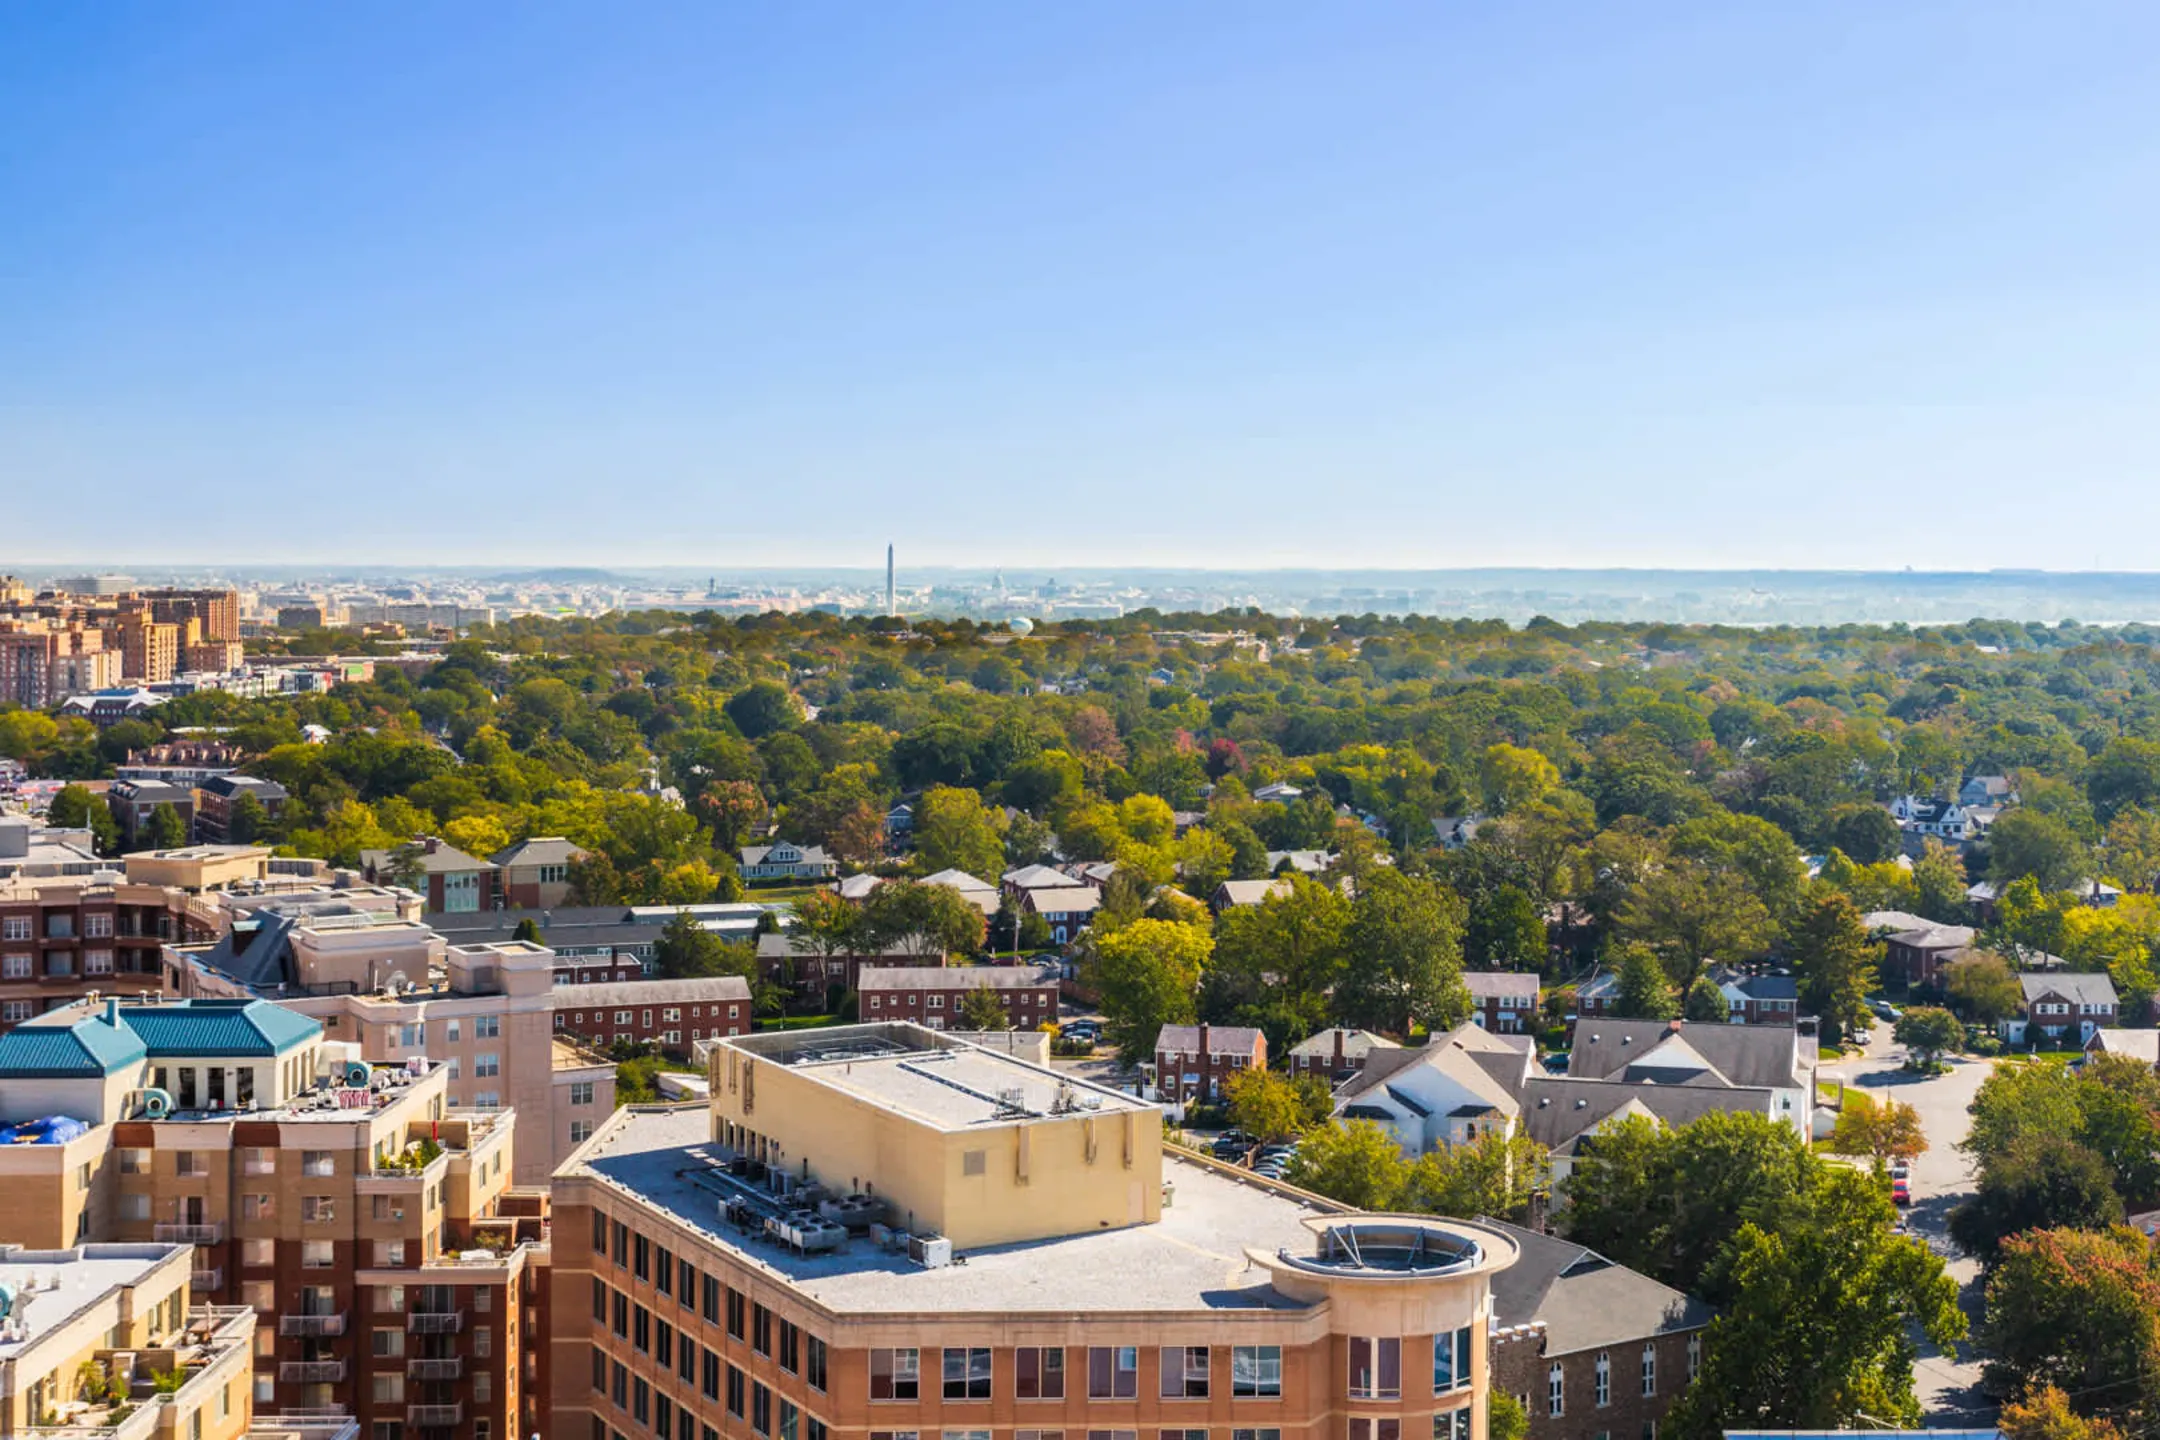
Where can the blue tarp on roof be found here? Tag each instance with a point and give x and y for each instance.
(219, 1027)
(86, 1049)
(51, 1130)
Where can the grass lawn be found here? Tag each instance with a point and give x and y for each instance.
(1830, 1092)
(799, 1022)
(779, 894)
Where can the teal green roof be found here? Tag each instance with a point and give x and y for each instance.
(219, 1027)
(87, 1049)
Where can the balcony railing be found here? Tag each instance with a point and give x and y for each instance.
(312, 1326)
(201, 1232)
(448, 1368)
(303, 1425)
(427, 1415)
(210, 1279)
(311, 1372)
(434, 1322)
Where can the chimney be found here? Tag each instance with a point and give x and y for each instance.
(1203, 1047)
(1338, 1048)
(112, 1011)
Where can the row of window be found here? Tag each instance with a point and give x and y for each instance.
(747, 1399)
(59, 925)
(21, 965)
(796, 1351)
(1194, 1434)
(1601, 1376)
(1113, 1372)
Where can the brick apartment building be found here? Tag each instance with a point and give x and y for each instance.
(64, 936)
(932, 995)
(450, 879)
(1592, 1349)
(43, 661)
(670, 1014)
(1194, 1062)
(133, 802)
(1092, 1298)
(535, 873)
(216, 798)
(347, 1204)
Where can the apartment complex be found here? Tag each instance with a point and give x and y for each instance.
(932, 995)
(346, 1205)
(99, 640)
(86, 1330)
(672, 1015)
(63, 936)
(882, 1230)
(44, 661)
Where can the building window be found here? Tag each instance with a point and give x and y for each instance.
(581, 1092)
(1362, 1428)
(1602, 1390)
(1113, 1372)
(318, 1209)
(1268, 1434)
(486, 1065)
(790, 1421)
(580, 1131)
(790, 1347)
(1039, 1374)
(1694, 1354)
(1452, 1424)
(761, 1329)
(1256, 1372)
(1556, 1391)
(760, 1409)
(738, 1307)
(1375, 1368)
(814, 1370)
(736, 1387)
(1649, 1369)
(486, 1027)
(967, 1373)
(1451, 1361)
(894, 1374)
(1185, 1372)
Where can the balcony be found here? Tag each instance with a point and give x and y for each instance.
(311, 1372)
(448, 1368)
(434, 1322)
(424, 1416)
(303, 1425)
(312, 1327)
(210, 1279)
(205, 1232)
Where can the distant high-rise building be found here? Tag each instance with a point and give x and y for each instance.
(892, 603)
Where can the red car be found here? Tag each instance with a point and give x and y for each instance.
(1901, 1192)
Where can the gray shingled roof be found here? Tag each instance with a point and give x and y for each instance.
(1750, 1055)
(956, 977)
(2088, 989)
(1495, 983)
(1585, 1301)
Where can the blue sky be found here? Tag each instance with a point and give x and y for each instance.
(1418, 284)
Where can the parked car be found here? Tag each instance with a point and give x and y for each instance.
(1900, 1170)
(1232, 1145)
(1901, 1192)
(1884, 1010)
(1080, 1030)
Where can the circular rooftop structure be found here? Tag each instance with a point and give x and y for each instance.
(1395, 1248)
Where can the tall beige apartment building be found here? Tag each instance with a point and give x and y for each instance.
(360, 1217)
(881, 1231)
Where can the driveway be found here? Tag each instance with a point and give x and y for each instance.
(1948, 1385)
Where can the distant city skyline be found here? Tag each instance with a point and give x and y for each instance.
(1399, 286)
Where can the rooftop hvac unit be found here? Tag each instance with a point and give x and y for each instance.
(156, 1104)
(356, 1073)
(932, 1252)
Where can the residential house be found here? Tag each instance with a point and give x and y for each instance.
(979, 893)
(2060, 1007)
(1596, 996)
(857, 888)
(788, 959)
(1336, 1054)
(785, 860)
(1675, 1053)
(1505, 1002)
(2137, 1044)
(1993, 790)
(1589, 1346)
(1246, 892)
(1194, 1062)
(216, 797)
(1067, 910)
(900, 820)
(450, 879)
(932, 995)
(1758, 999)
(1983, 896)
(1918, 956)
(1299, 862)
(1017, 882)
(1923, 819)
(1452, 832)
(536, 872)
(1462, 1085)
(1278, 793)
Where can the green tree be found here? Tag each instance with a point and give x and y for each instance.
(1669, 1202)
(1494, 1174)
(2124, 776)
(1984, 988)
(1265, 1104)
(1645, 991)
(1928, 1033)
(1705, 1003)
(2042, 1182)
(2044, 1413)
(1939, 883)
(954, 830)
(1513, 777)
(1865, 832)
(907, 908)
(1288, 950)
(2023, 842)
(1357, 1162)
(247, 821)
(763, 708)
(528, 932)
(686, 950)
(1506, 1419)
(2076, 1309)
(1404, 942)
(1818, 1330)
(1145, 974)
(1836, 964)
(1506, 932)
(1689, 913)
(981, 1009)
(166, 830)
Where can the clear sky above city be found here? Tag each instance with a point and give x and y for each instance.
(1416, 284)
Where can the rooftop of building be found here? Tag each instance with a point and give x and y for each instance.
(1192, 1259)
(933, 1079)
(701, 989)
(957, 977)
(52, 1287)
